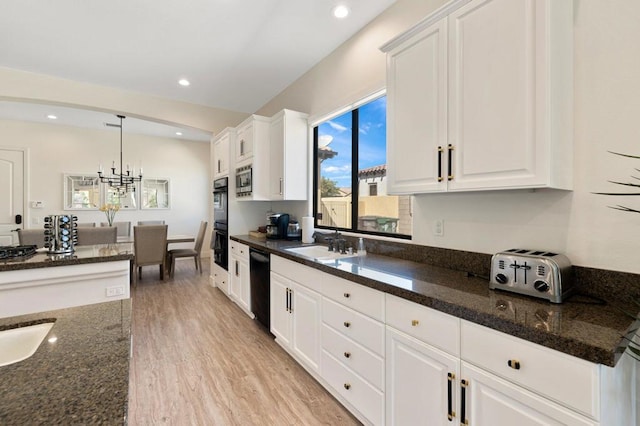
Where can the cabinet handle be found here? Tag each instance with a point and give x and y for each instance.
(449, 169)
(415, 322)
(440, 163)
(242, 147)
(218, 166)
(450, 413)
(237, 271)
(463, 396)
(347, 386)
(290, 300)
(347, 354)
(347, 324)
(347, 295)
(280, 186)
(513, 363)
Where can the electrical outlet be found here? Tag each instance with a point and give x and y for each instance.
(115, 291)
(438, 228)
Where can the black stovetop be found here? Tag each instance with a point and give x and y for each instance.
(12, 252)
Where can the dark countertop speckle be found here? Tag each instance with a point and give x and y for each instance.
(580, 326)
(82, 254)
(81, 378)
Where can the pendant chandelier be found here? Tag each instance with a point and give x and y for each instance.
(123, 182)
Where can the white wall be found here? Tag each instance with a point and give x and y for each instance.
(607, 109)
(54, 150)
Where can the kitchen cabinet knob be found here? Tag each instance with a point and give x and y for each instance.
(515, 364)
(415, 322)
(347, 386)
(347, 295)
(347, 324)
(347, 354)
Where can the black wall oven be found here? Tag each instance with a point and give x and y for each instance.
(220, 237)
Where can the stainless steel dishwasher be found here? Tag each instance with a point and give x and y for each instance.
(259, 269)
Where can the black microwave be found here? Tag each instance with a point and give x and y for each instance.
(243, 181)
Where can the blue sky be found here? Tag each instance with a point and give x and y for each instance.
(372, 144)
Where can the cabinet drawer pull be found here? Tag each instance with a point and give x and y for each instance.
(347, 324)
(347, 386)
(347, 354)
(440, 150)
(515, 364)
(415, 322)
(450, 413)
(450, 155)
(347, 295)
(463, 397)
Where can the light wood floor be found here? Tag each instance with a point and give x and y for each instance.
(199, 360)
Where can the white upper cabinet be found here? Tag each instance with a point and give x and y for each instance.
(221, 154)
(480, 98)
(252, 149)
(288, 151)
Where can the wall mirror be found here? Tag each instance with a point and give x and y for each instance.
(127, 201)
(154, 193)
(81, 192)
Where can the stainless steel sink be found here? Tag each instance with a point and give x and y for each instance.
(318, 253)
(18, 344)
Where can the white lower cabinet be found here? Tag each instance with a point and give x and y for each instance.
(240, 285)
(421, 382)
(220, 277)
(395, 362)
(295, 319)
(489, 400)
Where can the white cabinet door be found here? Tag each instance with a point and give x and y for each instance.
(279, 309)
(417, 112)
(244, 299)
(307, 323)
(422, 383)
(288, 151)
(221, 155)
(235, 280)
(488, 400)
(244, 142)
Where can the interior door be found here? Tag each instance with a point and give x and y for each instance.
(11, 194)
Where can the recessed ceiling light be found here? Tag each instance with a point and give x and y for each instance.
(179, 133)
(341, 11)
(183, 82)
(52, 117)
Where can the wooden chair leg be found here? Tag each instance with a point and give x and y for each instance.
(195, 259)
(173, 266)
(161, 271)
(199, 261)
(139, 272)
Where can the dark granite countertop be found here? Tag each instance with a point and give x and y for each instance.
(80, 378)
(82, 254)
(582, 326)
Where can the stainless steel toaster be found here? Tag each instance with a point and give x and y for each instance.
(540, 274)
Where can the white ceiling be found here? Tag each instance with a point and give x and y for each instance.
(238, 54)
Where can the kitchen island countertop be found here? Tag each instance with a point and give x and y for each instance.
(81, 255)
(78, 375)
(584, 327)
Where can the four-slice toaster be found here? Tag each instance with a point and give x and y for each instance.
(541, 274)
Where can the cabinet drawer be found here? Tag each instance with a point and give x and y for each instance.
(364, 397)
(362, 299)
(435, 328)
(357, 358)
(360, 328)
(240, 250)
(309, 277)
(568, 380)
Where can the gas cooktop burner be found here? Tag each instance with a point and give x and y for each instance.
(12, 252)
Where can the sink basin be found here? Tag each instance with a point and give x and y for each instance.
(318, 253)
(18, 344)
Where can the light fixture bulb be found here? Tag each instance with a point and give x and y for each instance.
(184, 82)
(179, 133)
(52, 117)
(341, 11)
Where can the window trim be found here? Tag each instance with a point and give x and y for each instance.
(354, 109)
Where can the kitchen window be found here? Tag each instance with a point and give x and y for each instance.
(350, 156)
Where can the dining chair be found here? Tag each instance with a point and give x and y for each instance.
(31, 237)
(88, 235)
(150, 222)
(124, 228)
(150, 245)
(85, 224)
(194, 252)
